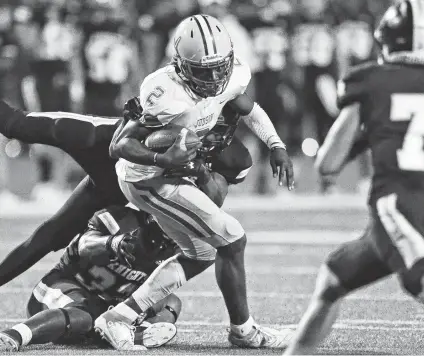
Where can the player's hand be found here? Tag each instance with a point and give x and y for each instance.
(133, 109)
(195, 168)
(178, 155)
(281, 165)
(123, 247)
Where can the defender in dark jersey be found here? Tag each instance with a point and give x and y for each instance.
(381, 104)
(101, 267)
(86, 139)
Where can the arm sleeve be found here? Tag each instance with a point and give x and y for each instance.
(260, 124)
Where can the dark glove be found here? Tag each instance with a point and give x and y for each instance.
(123, 247)
(133, 109)
(195, 168)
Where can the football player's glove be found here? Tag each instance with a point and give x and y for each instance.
(133, 109)
(195, 168)
(123, 247)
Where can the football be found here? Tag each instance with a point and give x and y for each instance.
(160, 140)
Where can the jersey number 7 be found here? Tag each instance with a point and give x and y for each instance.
(409, 107)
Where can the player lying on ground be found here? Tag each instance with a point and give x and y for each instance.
(86, 139)
(387, 99)
(203, 77)
(99, 268)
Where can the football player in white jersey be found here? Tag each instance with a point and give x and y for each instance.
(191, 91)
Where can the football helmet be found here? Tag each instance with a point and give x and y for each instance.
(402, 27)
(204, 55)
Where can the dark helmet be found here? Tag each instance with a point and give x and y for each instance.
(402, 27)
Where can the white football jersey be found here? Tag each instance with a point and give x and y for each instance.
(165, 96)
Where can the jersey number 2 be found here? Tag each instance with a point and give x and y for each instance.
(409, 107)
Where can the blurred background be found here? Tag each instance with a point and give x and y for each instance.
(90, 56)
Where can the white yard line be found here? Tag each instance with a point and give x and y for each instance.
(271, 295)
(197, 326)
(279, 237)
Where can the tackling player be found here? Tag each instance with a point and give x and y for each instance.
(383, 102)
(191, 92)
(101, 267)
(86, 139)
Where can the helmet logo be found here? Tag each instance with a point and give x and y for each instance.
(211, 58)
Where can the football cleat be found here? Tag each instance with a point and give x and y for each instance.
(8, 343)
(117, 333)
(262, 337)
(154, 335)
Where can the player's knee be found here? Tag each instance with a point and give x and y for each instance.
(78, 321)
(411, 280)
(328, 287)
(237, 246)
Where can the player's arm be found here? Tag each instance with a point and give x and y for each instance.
(98, 248)
(334, 153)
(260, 124)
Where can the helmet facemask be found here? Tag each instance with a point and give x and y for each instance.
(209, 78)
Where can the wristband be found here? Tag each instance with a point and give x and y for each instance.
(278, 145)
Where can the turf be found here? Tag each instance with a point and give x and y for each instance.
(281, 274)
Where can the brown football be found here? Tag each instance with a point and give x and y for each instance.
(161, 140)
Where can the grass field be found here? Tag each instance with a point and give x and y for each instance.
(282, 263)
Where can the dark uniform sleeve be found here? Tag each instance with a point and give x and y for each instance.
(113, 220)
(353, 87)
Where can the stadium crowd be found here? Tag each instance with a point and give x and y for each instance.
(91, 56)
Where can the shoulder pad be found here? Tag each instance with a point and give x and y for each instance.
(159, 97)
(355, 84)
(239, 80)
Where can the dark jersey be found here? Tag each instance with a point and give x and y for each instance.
(391, 100)
(115, 281)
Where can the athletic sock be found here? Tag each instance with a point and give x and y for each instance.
(168, 277)
(243, 329)
(24, 332)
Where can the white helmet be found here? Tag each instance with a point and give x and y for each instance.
(204, 54)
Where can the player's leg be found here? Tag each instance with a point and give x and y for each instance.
(15, 125)
(197, 225)
(55, 233)
(233, 163)
(402, 220)
(166, 310)
(353, 265)
(59, 309)
(60, 129)
(216, 188)
(158, 327)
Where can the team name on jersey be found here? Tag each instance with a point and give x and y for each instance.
(127, 273)
(204, 121)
